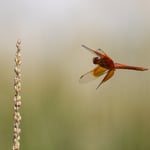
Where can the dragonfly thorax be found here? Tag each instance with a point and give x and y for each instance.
(103, 62)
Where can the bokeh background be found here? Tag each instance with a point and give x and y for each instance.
(58, 113)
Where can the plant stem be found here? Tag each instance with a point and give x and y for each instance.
(17, 98)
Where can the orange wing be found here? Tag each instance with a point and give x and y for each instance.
(93, 74)
(109, 74)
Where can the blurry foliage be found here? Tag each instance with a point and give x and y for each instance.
(57, 116)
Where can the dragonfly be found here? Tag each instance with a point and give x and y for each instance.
(105, 65)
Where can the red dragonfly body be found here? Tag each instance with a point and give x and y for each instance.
(104, 65)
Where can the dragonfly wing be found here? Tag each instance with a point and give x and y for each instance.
(93, 74)
(98, 53)
(101, 51)
(109, 74)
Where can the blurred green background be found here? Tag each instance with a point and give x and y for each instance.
(58, 113)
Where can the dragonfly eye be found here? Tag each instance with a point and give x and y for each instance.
(96, 60)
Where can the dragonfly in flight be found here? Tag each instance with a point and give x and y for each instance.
(104, 65)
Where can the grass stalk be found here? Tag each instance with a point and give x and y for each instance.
(17, 98)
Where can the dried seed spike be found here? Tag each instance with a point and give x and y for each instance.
(18, 43)
(17, 98)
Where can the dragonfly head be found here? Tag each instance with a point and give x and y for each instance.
(96, 60)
